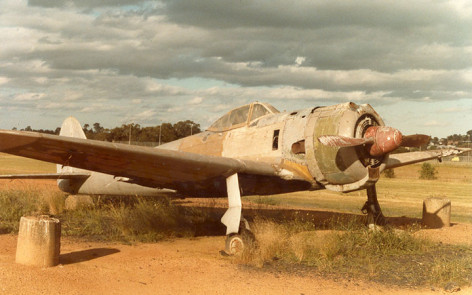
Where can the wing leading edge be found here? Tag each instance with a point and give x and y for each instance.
(47, 176)
(142, 165)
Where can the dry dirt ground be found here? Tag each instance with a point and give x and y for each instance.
(180, 266)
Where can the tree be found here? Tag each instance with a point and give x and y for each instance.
(186, 128)
(428, 171)
(167, 133)
(86, 128)
(97, 128)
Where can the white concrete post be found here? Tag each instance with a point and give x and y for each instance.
(39, 241)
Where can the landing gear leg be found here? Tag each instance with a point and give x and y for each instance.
(238, 233)
(372, 208)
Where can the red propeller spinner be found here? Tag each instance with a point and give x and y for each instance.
(379, 140)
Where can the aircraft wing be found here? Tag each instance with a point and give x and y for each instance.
(47, 176)
(141, 165)
(402, 159)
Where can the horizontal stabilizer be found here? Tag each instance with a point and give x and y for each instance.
(47, 176)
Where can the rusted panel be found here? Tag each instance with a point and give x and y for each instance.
(206, 143)
(251, 142)
(293, 145)
(300, 171)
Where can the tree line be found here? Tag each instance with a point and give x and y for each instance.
(170, 132)
(166, 132)
(455, 138)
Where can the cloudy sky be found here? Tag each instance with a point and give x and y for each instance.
(122, 61)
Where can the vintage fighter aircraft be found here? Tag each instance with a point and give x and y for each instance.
(253, 149)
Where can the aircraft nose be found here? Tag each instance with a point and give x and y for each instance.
(386, 139)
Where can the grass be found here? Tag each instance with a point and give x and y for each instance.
(10, 164)
(399, 196)
(265, 200)
(125, 220)
(350, 250)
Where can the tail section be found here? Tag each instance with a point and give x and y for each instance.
(70, 128)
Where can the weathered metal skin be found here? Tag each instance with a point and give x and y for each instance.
(294, 152)
(345, 165)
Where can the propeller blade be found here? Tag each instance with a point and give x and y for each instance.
(343, 141)
(380, 140)
(415, 140)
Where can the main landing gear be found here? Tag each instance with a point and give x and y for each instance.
(236, 242)
(238, 233)
(372, 208)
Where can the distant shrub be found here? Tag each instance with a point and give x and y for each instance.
(389, 173)
(428, 171)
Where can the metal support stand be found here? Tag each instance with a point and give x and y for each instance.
(372, 208)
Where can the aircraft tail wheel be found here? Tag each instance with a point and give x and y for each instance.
(235, 243)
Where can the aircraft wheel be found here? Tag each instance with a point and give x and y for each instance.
(235, 243)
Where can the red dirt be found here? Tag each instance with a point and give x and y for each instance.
(182, 266)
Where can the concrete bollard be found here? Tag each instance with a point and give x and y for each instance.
(39, 241)
(436, 212)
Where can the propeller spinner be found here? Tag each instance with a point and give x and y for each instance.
(379, 140)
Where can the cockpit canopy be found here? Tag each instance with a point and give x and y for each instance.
(242, 116)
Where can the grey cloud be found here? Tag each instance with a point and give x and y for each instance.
(82, 3)
(302, 14)
(385, 51)
(331, 34)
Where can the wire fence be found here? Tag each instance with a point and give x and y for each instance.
(141, 143)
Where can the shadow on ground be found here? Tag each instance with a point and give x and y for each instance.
(86, 255)
(5, 231)
(320, 218)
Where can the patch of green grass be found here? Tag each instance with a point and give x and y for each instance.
(10, 164)
(387, 256)
(15, 204)
(138, 220)
(131, 219)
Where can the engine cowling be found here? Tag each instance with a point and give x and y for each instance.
(341, 168)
